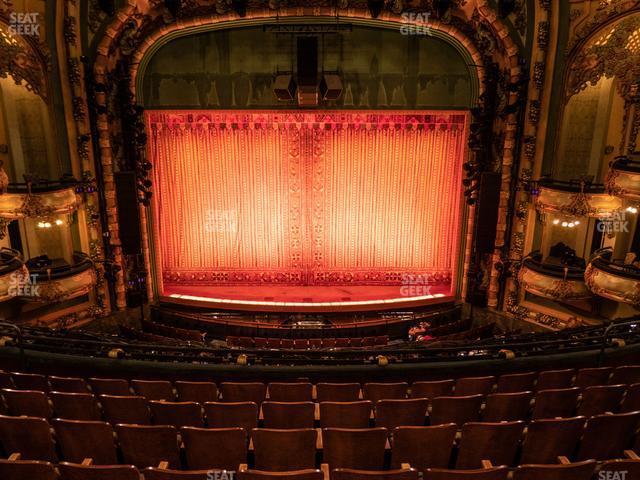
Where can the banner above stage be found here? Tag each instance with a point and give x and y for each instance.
(306, 198)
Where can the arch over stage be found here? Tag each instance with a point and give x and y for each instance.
(136, 33)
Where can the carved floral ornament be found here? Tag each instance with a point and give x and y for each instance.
(576, 204)
(20, 60)
(615, 52)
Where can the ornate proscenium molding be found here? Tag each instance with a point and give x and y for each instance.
(623, 179)
(22, 59)
(612, 280)
(56, 284)
(613, 53)
(554, 282)
(575, 199)
(11, 269)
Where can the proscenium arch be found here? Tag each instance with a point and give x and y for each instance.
(107, 55)
(470, 55)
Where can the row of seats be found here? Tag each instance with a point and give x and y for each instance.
(306, 344)
(305, 391)
(588, 470)
(173, 332)
(16, 469)
(601, 438)
(389, 413)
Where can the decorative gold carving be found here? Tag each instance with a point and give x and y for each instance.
(611, 55)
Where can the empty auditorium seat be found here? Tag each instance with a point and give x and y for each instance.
(631, 401)
(16, 469)
(30, 381)
(589, 377)
(86, 439)
(273, 343)
(125, 409)
(423, 447)
(516, 382)
(607, 436)
(286, 344)
(31, 403)
(570, 471)
(232, 414)
(555, 379)
(625, 375)
(458, 410)
(401, 412)
(283, 415)
(315, 343)
(382, 340)
(243, 392)
(164, 473)
(154, 389)
(260, 343)
(601, 399)
(369, 342)
(337, 392)
(300, 344)
(110, 386)
(504, 407)
(345, 414)
(631, 466)
(28, 436)
(290, 392)
(284, 450)
(473, 386)
(354, 448)
(548, 439)
(497, 473)
(342, 342)
(5, 380)
(561, 402)
(384, 391)
(75, 406)
(72, 471)
(229, 452)
(329, 343)
(68, 384)
(178, 414)
(441, 388)
(350, 474)
(307, 474)
(148, 445)
(356, 342)
(496, 442)
(199, 392)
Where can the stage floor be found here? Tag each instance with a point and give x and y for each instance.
(307, 298)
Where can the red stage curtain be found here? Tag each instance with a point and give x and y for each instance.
(306, 198)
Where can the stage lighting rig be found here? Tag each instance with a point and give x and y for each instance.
(174, 7)
(375, 7)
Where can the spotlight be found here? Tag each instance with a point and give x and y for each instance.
(375, 7)
(556, 222)
(108, 7)
(240, 7)
(173, 6)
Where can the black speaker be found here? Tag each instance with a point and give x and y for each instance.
(128, 212)
(308, 61)
(284, 87)
(330, 86)
(487, 219)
